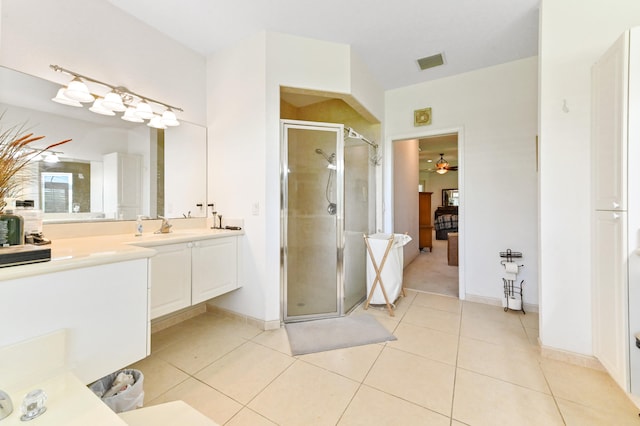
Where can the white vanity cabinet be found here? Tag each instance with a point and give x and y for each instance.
(185, 274)
(214, 268)
(102, 308)
(170, 278)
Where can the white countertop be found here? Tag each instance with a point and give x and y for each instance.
(74, 253)
(69, 403)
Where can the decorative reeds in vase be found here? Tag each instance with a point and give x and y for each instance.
(16, 152)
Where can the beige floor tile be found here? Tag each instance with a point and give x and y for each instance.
(585, 386)
(432, 344)
(504, 363)
(353, 363)
(416, 379)
(165, 338)
(390, 323)
(579, 415)
(373, 407)
(457, 423)
(222, 323)
(402, 305)
(193, 354)
(533, 335)
(208, 401)
(245, 371)
(448, 322)
(305, 395)
(437, 301)
(530, 320)
(498, 333)
(247, 417)
(482, 311)
(159, 376)
(481, 400)
(274, 339)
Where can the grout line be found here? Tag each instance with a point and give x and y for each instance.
(555, 401)
(455, 371)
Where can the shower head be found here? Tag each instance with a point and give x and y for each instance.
(331, 159)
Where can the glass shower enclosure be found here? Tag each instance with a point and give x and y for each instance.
(325, 211)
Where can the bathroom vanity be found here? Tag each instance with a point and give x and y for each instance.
(104, 290)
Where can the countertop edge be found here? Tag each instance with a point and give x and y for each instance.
(77, 253)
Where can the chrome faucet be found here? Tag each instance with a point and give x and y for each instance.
(6, 407)
(165, 227)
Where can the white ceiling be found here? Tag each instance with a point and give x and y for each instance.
(389, 36)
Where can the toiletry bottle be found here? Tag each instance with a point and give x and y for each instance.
(139, 226)
(15, 228)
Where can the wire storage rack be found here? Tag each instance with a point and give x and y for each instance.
(512, 297)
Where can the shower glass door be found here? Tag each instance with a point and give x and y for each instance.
(312, 220)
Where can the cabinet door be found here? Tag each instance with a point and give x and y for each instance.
(609, 298)
(170, 279)
(214, 268)
(609, 127)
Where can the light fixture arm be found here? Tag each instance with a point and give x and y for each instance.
(123, 91)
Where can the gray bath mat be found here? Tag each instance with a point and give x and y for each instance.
(335, 333)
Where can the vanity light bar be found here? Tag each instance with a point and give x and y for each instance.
(81, 93)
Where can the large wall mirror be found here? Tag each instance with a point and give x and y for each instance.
(450, 197)
(112, 169)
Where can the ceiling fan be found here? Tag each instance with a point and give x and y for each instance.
(442, 166)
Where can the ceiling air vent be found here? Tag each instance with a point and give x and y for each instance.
(430, 61)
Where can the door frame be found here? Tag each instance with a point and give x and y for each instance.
(319, 126)
(388, 220)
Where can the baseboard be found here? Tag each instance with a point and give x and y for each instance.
(261, 324)
(528, 307)
(580, 360)
(174, 318)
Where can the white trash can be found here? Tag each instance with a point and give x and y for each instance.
(125, 399)
(391, 272)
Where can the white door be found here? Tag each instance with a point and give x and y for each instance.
(609, 127)
(609, 295)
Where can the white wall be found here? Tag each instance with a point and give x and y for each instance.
(405, 191)
(236, 111)
(573, 35)
(97, 39)
(496, 109)
(243, 93)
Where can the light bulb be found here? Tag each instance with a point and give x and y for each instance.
(130, 115)
(99, 109)
(143, 110)
(113, 101)
(78, 91)
(62, 99)
(169, 118)
(156, 122)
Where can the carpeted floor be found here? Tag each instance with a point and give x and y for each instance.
(430, 272)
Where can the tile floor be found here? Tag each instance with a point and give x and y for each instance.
(454, 363)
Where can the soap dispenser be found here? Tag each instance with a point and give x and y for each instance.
(6, 407)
